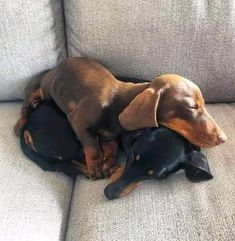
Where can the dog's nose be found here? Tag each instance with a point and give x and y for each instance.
(222, 138)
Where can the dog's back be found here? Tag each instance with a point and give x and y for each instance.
(76, 79)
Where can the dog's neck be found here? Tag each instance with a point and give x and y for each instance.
(128, 91)
(124, 94)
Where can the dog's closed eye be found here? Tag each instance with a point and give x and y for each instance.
(189, 103)
(193, 107)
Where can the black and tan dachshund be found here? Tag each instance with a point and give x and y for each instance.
(155, 153)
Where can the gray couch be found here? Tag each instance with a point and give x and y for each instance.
(132, 38)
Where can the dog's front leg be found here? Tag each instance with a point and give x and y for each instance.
(92, 151)
(110, 154)
(81, 119)
(94, 160)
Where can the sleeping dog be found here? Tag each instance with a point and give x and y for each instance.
(155, 153)
(97, 104)
(143, 154)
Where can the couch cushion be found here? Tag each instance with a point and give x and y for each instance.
(33, 204)
(171, 209)
(31, 41)
(144, 39)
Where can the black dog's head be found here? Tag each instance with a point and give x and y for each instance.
(154, 153)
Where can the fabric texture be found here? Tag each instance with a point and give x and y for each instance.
(172, 209)
(34, 204)
(31, 41)
(144, 39)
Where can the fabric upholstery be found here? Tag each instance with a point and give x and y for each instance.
(143, 39)
(171, 209)
(34, 204)
(31, 41)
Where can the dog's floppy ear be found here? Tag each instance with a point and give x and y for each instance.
(197, 167)
(141, 112)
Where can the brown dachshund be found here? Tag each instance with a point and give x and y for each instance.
(99, 105)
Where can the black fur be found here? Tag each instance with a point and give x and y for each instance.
(53, 139)
(161, 151)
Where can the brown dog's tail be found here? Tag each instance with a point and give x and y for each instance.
(31, 92)
(32, 87)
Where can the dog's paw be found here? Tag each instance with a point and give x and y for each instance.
(109, 166)
(109, 162)
(94, 169)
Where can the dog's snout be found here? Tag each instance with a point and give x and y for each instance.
(222, 138)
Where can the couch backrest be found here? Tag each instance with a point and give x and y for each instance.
(144, 39)
(31, 41)
(140, 39)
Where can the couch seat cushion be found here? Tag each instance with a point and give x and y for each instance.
(33, 204)
(171, 209)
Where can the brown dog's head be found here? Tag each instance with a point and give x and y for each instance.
(176, 103)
